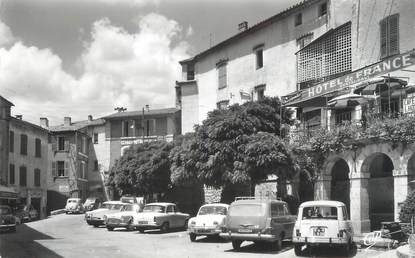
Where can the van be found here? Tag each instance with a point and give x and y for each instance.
(258, 220)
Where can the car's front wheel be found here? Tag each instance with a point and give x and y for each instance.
(192, 237)
(165, 227)
(141, 230)
(298, 249)
(110, 228)
(236, 244)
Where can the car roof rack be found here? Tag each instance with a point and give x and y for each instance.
(238, 198)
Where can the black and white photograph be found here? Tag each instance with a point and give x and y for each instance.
(207, 128)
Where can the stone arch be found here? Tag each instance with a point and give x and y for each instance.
(379, 168)
(340, 182)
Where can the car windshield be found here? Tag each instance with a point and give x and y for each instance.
(128, 208)
(247, 210)
(319, 212)
(154, 208)
(89, 201)
(4, 210)
(106, 206)
(212, 210)
(116, 206)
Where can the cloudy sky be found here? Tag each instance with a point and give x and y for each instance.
(79, 57)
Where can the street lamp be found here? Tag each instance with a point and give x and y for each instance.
(142, 119)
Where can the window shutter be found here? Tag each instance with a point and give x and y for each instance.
(383, 38)
(54, 144)
(66, 168)
(67, 147)
(54, 170)
(393, 28)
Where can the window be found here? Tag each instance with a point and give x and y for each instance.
(11, 174)
(125, 128)
(84, 144)
(222, 80)
(389, 36)
(190, 72)
(298, 19)
(11, 141)
(37, 177)
(343, 116)
(170, 209)
(83, 170)
(222, 104)
(23, 176)
(61, 168)
(259, 58)
(304, 40)
(23, 144)
(325, 58)
(96, 167)
(38, 147)
(322, 10)
(260, 92)
(95, 138)
(61, 143)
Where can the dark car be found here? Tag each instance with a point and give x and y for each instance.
(92, 203)
(7, 219)
(258, 220)
(25, 213)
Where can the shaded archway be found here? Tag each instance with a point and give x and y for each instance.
(340, 183)
(380, 188)
(411, 173)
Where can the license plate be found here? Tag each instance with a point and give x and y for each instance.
(203, 231)
(245, 230)
(318, 231)
(143, 222)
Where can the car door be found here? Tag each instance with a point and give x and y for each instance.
(289, 221)
(171, 216)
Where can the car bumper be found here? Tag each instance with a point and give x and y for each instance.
(320, 240)
(147, 225)
(7, 227)
(248, 237)
(204, 231)
(117, 225)
(95, 222)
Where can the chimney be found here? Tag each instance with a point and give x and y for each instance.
(44, 122)
(243, 26)
(67, 121)
(89, 118)
(20, 117)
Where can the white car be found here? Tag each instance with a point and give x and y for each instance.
(125, 218)
(209, 220)
(322, 223)
(161, 215)
(97, 217)
(74, 205)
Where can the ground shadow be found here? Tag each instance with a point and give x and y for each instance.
(210, 239)
(23, 244)
(262, 248)
(326, 251)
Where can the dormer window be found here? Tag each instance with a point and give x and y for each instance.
(322, 9)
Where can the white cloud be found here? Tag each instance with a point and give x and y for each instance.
(118, 69)
(6, 36)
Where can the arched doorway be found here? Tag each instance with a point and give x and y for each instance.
(380, 189)
(340, 183)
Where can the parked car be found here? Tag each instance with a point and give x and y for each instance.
(25, 213)
(125, 218)
(97, 217)
(74, 205)
(209, 221)
(92, 203)
(322, 223)
(7, 219)
(161, 215)
(258, 220)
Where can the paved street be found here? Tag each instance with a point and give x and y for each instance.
(69, 236)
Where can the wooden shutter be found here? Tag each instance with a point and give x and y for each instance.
(67, 146)
(66, 169)
(54, 144)
(393, 29)
(54, 169)
(383, 38)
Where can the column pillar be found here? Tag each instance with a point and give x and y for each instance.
(359, 202)
(400, 189)
(322, 188)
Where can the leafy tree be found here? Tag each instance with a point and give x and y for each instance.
(143, 169)
(408, 208)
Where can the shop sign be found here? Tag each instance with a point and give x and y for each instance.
(361, 75)
(409, 103)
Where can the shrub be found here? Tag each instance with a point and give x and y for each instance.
(408, 208)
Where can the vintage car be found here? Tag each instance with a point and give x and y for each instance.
(259, 220)
(7, 219)
(322, 223)
(209, 221)
(74, 205)
(97, 217)
(161, 215)
(25, 213)
(124, 218)
(92, 203)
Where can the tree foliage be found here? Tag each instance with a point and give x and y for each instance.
(143, 169)
(408, 208)
(237, 145)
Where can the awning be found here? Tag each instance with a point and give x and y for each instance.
(348, 100)
(7, 192)
(379, 85)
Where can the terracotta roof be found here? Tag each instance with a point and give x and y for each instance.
(2, 99)
(16, 120)
(77, 125)
(138, 113)
(252, 29)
